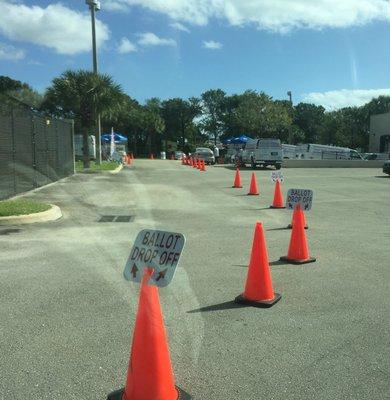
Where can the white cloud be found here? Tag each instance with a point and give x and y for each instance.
(56, 26)
(150, 39)
(212, 45)
(336, 99)
(180, 27)
(11, 53)
(125, 46)
(113, 5)
(271, 15)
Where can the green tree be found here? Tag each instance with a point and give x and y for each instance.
(21, 92)
(179, 115)
(309, 118)
(8, 84)
(83, 95)
(213, 110)
(154, 123)
(257, 115)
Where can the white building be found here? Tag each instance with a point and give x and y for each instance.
(379, 141)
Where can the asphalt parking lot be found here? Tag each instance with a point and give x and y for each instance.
(67, 313)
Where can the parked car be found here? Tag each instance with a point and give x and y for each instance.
(178, 155)
(205, 154)
(386, 167)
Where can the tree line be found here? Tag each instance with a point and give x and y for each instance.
(185, 123)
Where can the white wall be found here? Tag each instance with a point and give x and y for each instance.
(332, 164)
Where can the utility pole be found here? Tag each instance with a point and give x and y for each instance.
(94, 5)
(290, 138)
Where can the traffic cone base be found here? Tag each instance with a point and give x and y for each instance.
(259, 303)
(118, 395)
(297, 262)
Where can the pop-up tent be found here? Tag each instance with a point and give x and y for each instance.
(237, 140)
(118, 138)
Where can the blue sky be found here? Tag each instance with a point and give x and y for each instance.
(329, 52)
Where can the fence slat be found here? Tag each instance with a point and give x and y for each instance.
(32, 152)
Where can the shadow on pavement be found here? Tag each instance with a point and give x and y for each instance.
(240, 265)
(382, 176)
(227, 305)
(278, 262)
(279, 229)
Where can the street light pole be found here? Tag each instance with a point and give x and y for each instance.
(94, 5)
(290, 138)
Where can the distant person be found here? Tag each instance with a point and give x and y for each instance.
(216, 154)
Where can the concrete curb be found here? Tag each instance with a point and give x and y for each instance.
(52, 214)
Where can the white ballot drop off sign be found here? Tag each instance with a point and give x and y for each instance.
(159, 250)
(304, 197)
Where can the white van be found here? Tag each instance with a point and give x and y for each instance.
(289, 151)
(262, 152)
(313, 151)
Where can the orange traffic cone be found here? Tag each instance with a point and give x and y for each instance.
(253, 189)
(149, 375)
(304, 218)
(202, 166)
(195, 163)
(237, 180)
(278, 196)
(258, 288)
(298, 250)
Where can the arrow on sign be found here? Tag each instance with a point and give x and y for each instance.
(290, 205)
(161, 274)
(134, 271)
(306, 206)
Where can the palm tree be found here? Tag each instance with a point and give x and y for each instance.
(83, 95)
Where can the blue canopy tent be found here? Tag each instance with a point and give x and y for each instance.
(240, 139)
(237, 140)
(118, 138)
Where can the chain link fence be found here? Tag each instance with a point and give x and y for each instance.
(33, 151)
